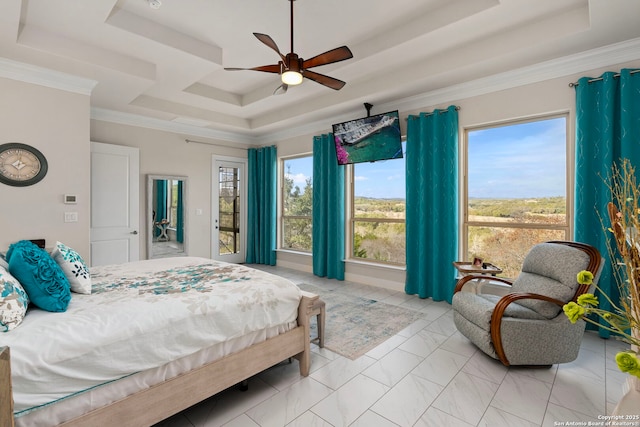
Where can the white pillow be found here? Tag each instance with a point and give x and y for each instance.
(73, 267)
(13, 301)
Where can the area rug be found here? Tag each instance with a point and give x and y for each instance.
(355, 325)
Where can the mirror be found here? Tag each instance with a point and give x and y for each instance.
(166, 216)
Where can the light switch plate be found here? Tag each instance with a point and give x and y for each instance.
(71, 217)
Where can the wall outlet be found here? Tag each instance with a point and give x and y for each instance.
(71, 217)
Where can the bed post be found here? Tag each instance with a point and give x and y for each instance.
(304, 313)
(6, 397)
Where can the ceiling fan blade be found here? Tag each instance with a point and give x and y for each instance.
(324, 80)
(335, 55)
(275, 68)
(269, 42)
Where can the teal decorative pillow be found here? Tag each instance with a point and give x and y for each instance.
(73, 267)
(39, 275)
(13, 301)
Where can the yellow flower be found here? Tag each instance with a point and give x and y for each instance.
(573, 311)
(628, 362)
(585, 277)
(588, 299)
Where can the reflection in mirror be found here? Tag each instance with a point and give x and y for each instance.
(166, 214)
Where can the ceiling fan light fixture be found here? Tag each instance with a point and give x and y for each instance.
(291, 78)
(293, 69)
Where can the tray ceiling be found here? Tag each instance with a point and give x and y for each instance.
(165, 65)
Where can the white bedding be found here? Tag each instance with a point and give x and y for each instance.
(140, 316)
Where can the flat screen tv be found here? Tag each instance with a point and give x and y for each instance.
(368, 139)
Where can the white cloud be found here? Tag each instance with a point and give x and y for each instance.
(361, 178)
(298, 178)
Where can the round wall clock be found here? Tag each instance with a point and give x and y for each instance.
(21, 164)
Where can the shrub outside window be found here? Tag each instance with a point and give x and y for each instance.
(377, 220)
(297, 203)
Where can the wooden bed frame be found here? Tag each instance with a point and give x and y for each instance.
(176, 394)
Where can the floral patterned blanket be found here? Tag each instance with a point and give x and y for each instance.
(139, 316)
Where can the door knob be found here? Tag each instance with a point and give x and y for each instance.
(134, 232)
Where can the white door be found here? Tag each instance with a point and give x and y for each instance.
(115, 200)
(229, 213)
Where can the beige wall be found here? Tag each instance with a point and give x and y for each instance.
(56, 123)
(163, 153)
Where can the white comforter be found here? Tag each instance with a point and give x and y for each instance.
(141, 315)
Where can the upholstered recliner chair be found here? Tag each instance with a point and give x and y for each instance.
(526, 324)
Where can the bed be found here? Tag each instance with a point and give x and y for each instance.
(159, 334)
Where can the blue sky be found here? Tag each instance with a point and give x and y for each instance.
(382, 179)
(301, 169)
(525, 160)
(517, 161)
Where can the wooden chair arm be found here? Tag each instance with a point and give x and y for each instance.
(462, 281)
(498, 312)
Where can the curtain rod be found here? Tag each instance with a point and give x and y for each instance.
(211, 143)
(446, 110)
(597, 79)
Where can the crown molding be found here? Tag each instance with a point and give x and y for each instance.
(561, 67)
(28, 73)
(112, 116)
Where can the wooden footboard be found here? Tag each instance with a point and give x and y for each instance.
(176, 394)
(6, 399)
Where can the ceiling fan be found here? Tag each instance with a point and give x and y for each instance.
(292, 68)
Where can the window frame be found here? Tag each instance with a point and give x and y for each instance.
(281, 200)
(351, 219)
(567, 227)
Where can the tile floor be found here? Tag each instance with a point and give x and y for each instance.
(167, 249)
(426, 375)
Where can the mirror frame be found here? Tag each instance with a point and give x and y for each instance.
(149, 211)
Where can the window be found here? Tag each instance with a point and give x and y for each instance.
(516, 194)
(377, 220)
(229, 210)
(297, 203)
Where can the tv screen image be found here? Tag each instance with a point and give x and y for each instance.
(368, 139)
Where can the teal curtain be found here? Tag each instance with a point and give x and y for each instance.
(432, 203)
(328, 209)
(161, 203)
(180, 215)
(261, 206)
(607, 130)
